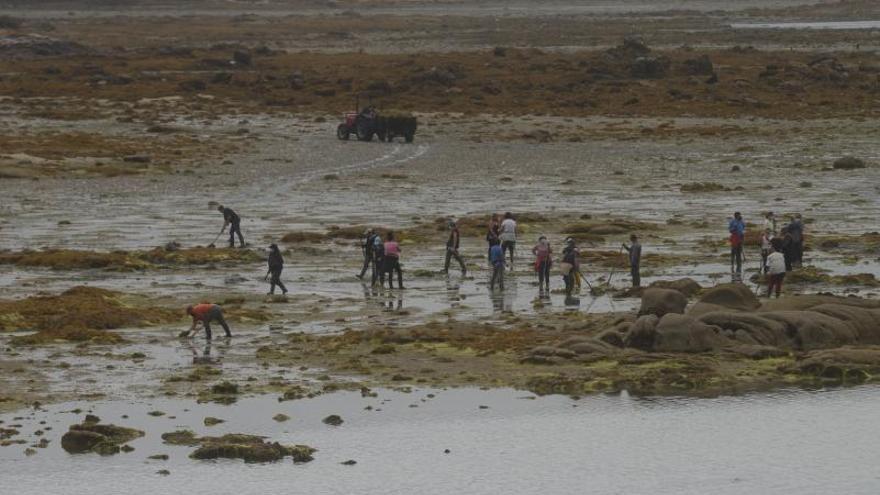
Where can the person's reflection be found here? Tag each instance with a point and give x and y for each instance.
(502, 300)
(205, 357)
(497, 299)
(372, 294)
(453, 294)
(390, 304)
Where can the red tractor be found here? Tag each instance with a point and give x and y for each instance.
(363, 124)
(368, 123)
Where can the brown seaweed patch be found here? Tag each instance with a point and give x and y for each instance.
(249, 448)
(79, 314)
(70, 259)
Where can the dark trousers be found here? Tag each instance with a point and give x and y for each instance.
(736, 258)
(497, 275)
(378, 270)
(764, 254)
(392, 264)
(275, 273)
(634, 273)
(451, 253)
(789, 259)
(569, 282)
(368, 260)
(544, 274)
(215, 314)
(235, 228)
(508, 246)
(775, 281)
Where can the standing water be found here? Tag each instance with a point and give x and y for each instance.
(498, 441)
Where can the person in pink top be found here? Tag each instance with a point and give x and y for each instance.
(392, 261)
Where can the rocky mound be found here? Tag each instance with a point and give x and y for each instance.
(91, 436)
(249, 448)
(735, 296)
(659, 302)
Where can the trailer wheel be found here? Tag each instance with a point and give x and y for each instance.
(342, 132)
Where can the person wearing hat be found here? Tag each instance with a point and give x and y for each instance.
(368, 248)
(570, 265)
(276, 264)
(452, 244)
(635, 258)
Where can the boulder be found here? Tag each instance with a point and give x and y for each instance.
(659, 302)
(90, 436)
(748, 328)
(641, 333)
(735, 296)
(79, 442)
(865, 322)
(687, 286)
(812, 330)
(682, 333)
(845, 364)
(808, 301)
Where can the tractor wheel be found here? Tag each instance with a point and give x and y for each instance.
(364, 133)
(342, 132)
(409, 136)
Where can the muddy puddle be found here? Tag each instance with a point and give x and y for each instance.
(473, 441)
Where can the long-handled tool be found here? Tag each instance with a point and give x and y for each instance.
(613, 268)
(592, 290)
(215, 239)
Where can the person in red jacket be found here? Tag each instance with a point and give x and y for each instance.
(205, 313)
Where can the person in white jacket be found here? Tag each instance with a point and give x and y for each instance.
(508, 236)
(775, 269)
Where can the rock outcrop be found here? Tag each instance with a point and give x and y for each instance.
(658, 302)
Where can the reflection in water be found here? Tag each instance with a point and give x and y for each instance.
(502, 299)
(386, 299)
(389, 305)
(453, 292)
(205, 356)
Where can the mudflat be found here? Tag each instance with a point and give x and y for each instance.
(124, 129)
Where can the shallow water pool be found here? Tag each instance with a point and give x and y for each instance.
(787, 442)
